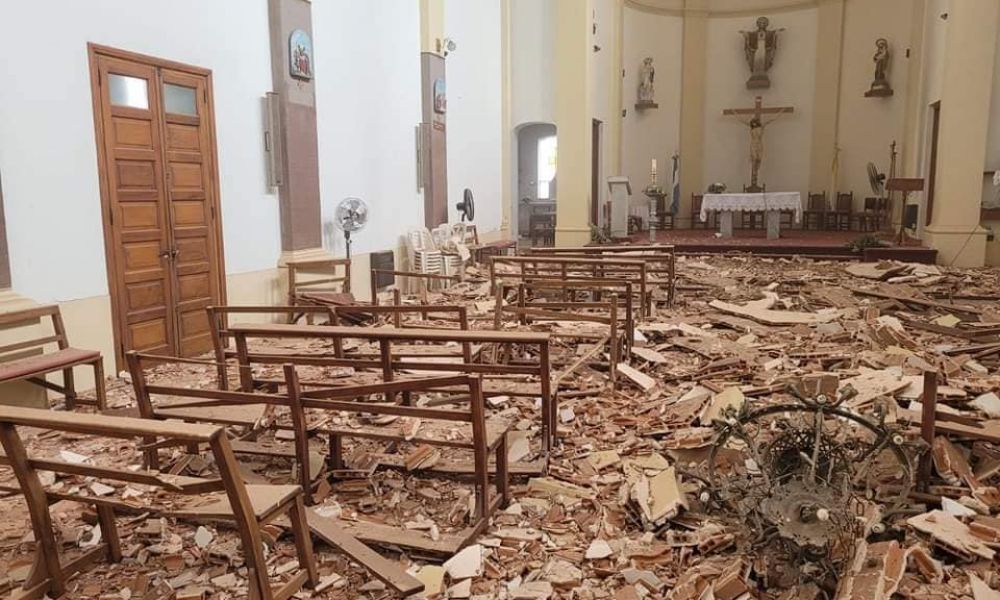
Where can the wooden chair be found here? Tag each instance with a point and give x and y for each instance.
(14, 366)
(542, 229)
(839, 219)
(696, 222)
(319, 282)
(248, 507)
(815, 212)
(869, 218)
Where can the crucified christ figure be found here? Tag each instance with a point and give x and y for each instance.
(757, 121)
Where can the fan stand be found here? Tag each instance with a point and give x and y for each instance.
(347, 241)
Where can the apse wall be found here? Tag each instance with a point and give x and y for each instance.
(651, 133)
(787, 142)
(367, 106)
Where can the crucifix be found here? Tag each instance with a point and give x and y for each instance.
(754, 118)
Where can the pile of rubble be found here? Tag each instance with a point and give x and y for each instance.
(639, 501)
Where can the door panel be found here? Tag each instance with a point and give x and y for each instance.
(191, 190)
(139, 236)
(160, 193)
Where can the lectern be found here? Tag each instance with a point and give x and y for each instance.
(620, 189)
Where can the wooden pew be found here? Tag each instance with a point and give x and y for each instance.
(615, 315)
(34, 367)
(247, 507)
(325, 287)
(660, 258)
(219, 319)
(388, 362)
(541, 268)
(484, 437)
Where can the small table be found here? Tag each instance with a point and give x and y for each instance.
(770, 203)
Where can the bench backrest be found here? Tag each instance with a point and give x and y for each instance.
(389, 364)
(323, 275)
(28, 318)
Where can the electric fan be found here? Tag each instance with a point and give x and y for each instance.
(351, 216)
(876, 180)
(467, 207)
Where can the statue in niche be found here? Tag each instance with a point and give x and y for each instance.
(647, 73)
(880, 86)
(759, 46)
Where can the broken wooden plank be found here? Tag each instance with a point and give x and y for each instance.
(385, 570)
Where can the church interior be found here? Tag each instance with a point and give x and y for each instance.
(500, 299)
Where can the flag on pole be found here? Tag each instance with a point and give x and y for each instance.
(675, 201)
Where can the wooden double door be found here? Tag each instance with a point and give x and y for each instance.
(159, 188)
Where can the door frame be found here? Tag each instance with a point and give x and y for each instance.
(94, 53)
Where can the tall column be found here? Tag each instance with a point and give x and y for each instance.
(298, 194)
(434, 120)
(965, 113)
(694, 60)
(826, 99)
(574, 119)
(614, 127)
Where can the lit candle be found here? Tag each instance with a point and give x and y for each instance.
(652, 172)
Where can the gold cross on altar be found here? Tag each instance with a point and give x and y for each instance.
(757, 123)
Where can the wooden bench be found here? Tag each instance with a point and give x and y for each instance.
(34, 367)
(485, 435)
(539, 268)
(386, 362)
(219, 318)
(661, 260)
(248, 507)
(614, 315)
(318, 282)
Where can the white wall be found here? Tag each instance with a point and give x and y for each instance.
(474, 108)
(787, 142)
(368, 104)
(651, 133)
(532, 25)
(48, 151)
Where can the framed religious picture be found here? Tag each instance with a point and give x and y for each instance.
(300, 55)
(440, 97)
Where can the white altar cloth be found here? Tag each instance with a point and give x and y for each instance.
(762, 202)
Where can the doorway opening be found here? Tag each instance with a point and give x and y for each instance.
(155, 131)
(596, 176)
(537, 162)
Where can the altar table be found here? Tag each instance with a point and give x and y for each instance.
(770, 203)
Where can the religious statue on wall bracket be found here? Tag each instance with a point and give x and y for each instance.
(759, 46)
(880, 87)
(647, 73)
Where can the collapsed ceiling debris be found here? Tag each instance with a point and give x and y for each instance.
(764, 440)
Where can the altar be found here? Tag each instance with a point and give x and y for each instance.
(772, 204)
